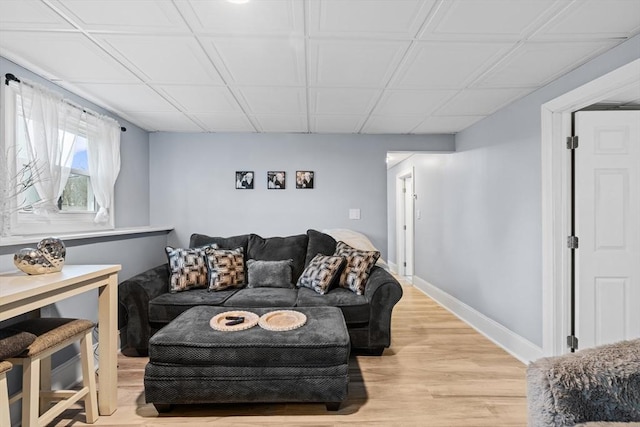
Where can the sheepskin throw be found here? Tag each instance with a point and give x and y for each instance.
(597, 384)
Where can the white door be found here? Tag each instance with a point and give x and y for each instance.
(408, 226)
(404, 223)
(607, 224)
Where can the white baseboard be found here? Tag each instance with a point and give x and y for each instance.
(519, 347)
(393, 267)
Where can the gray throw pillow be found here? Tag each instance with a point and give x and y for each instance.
(270, 274)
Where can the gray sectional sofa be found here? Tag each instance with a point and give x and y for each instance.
(146, 305)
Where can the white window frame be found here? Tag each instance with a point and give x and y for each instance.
(27, 223)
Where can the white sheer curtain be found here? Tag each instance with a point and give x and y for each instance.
(103, 149)
(46, 119)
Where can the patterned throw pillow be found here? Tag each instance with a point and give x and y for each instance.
(187, 267)
(226, 268)
(359, 264)
(321, 272)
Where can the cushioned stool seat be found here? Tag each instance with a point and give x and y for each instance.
(189, 362)
(53, 334)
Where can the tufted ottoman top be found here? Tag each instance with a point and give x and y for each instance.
(189, 340)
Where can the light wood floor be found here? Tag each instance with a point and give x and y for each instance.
(437, 372)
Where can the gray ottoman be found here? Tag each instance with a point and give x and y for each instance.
(189, 362)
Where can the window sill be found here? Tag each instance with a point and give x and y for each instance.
(34, 239)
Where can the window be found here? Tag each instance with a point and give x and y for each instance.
(60, 163)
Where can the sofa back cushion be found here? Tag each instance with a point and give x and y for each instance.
(241, 241)
(319, 243)
(278, 249)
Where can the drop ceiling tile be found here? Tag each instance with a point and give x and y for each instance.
(353, 63)
(275, 17)
(368, 18)
(224, 122)
(451, 124)
(164, 59)
(30, 14)
(66, 56)
(388, 124)
(535, 64)
(480, 102)
(123, 15)
(282, 123)
(328, 123)
(342, 100)
(487, 19)
(274, 100)
(129, 98)
(201, 99)
(165, 121)
(594, 19)
(412, 102)
(447, 65)
(259, 61)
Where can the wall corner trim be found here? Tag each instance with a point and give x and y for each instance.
(519, 347)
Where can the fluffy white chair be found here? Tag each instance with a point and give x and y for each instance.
(595, 386)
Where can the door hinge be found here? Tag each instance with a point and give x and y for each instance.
(572, 242)
(572, 142)
(404, 227)
(404, 264)
(572, 342)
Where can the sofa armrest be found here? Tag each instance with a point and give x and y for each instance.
(134, 295)
(382, 292)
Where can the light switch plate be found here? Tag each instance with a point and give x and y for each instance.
(354, 213)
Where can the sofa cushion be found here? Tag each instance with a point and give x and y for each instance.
(166, 307)
(319, 243)
(321, 273)
(359, 265)
(241, 241)
(188, 269)
(226, 268)
(355, 308)
(279, 248)
(270, 274)
(263, 297)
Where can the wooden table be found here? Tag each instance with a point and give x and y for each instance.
(20, 293)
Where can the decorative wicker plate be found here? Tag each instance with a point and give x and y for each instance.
(218, 322)
(282, 320)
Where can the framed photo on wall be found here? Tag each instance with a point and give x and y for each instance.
(304, 179)
(244, 180)
(276, 180)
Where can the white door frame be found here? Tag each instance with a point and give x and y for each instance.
(556, 126)
(400, 217)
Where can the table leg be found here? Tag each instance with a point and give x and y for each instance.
(108, 347)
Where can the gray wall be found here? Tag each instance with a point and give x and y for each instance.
(192, 182)
(480, 237)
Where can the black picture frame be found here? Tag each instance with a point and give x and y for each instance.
(245, 180)
(305, 179)
(276, 180)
